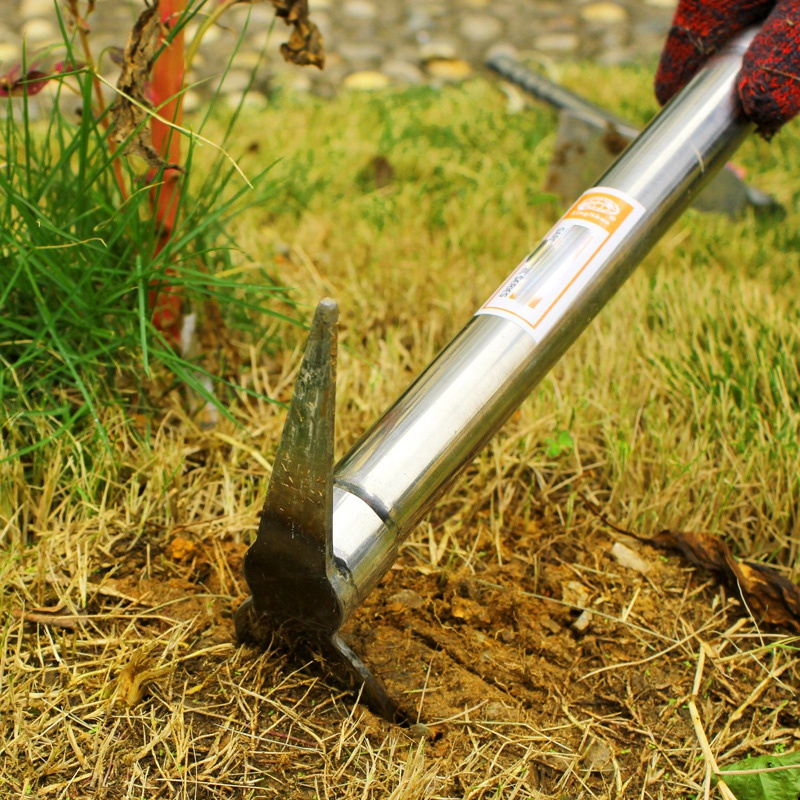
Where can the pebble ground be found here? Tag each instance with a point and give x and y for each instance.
(374, 43)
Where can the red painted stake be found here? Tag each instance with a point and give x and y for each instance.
(165, 87)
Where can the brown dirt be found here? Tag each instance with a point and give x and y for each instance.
(513, 697)
(501, 648)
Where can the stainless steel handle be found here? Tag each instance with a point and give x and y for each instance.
(389, 479)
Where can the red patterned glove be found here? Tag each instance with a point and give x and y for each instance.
(769, 83)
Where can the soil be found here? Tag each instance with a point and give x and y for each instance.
(549, 665)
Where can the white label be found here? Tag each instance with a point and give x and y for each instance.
(541, 289)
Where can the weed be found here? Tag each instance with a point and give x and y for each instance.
(83, 260)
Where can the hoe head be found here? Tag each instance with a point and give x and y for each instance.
(297, 587)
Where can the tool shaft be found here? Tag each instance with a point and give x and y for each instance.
(392, 475)
(559, 97)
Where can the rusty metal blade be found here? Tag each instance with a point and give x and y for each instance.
(289, 567)
(373, 691)
(300, 493)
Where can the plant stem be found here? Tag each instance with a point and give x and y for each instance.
(207, 23)
(98, 91)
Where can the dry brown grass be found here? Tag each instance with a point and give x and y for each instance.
(118, 670)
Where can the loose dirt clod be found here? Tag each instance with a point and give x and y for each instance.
(629, 559)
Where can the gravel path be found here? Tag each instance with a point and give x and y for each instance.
(375, 43)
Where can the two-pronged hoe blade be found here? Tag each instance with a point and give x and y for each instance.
(290, 567)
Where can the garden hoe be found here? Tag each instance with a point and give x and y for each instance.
(329, 533)
(589, 139)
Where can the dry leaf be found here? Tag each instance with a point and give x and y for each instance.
(57, 617)
(134, 678)
(129, 111)
(771, 598)
(305, 45)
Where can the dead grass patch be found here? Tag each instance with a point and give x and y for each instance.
(537, 664)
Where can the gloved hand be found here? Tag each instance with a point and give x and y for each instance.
(769, 82)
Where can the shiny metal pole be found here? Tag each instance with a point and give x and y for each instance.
(327, 536)
(466, 394)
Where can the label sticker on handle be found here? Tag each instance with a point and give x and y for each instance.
(541, 289)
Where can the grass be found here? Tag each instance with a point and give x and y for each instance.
(677, 409)
(80, 354)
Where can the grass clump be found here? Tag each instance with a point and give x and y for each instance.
(79, 261)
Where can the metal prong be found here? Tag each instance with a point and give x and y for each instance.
(300, 491)
(289, 567)
(374, 692)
